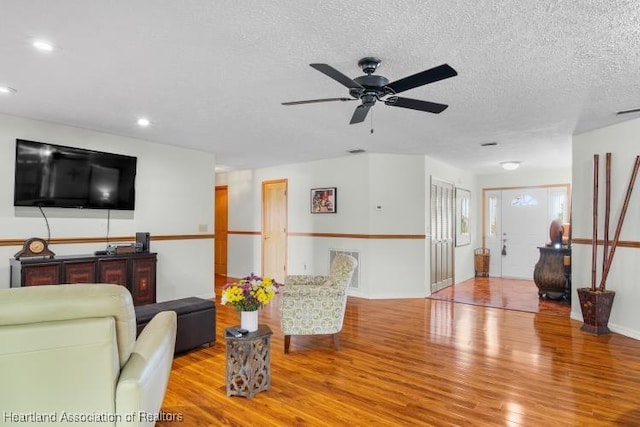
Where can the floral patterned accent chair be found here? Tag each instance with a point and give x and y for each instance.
(315, 305)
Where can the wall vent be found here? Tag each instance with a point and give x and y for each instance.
(355, 280)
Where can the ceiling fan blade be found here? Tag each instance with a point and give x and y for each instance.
(359, 114)
(635, 110)
(312, 101)
(336, 75)
(416, 104)
(431, 75)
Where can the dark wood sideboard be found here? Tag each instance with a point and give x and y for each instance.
(136, 271)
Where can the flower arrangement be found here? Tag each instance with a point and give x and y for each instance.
(250, 293)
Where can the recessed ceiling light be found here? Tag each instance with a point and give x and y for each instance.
(511, 165)
(43, 45)
(143, 122)
(7, 90)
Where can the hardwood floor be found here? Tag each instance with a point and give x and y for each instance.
(421, 362)
(510, 294)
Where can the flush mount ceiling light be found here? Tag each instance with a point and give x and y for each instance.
(6, 90)
(43, 45)
(143, 122)
(511, 165)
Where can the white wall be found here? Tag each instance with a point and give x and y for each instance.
(525, 178)
(174, 195)
(362, 182)
(622, 141)
(397, 184)
(397, 268)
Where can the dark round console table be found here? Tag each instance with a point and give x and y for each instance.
(552, 273)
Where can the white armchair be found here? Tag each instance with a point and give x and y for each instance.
(315, 305)
(71, 351)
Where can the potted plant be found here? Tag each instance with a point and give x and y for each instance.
(596, 302)
(248, 295)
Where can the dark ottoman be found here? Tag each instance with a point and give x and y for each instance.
(196, 320)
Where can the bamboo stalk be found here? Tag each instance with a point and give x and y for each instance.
(594, 232)
(625, 205)
(607, 209)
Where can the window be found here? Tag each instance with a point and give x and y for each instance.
(558, 204)
(524, 200)
(493, 216)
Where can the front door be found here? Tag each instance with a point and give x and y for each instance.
(525, 227)
(274, 229)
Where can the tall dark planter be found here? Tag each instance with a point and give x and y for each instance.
(596, 309)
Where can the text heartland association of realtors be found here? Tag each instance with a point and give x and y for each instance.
(89, 417)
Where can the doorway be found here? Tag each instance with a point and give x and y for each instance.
(274, 229)
(221, 229)
(516, 222)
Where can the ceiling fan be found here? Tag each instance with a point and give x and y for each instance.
(371, 88)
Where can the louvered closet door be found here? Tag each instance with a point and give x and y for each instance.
(442, 203)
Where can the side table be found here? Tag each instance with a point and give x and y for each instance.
(249, 362)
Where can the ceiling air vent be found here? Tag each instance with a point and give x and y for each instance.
(356, 151)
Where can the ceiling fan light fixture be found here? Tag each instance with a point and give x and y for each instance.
(510, 165)
(370, 88)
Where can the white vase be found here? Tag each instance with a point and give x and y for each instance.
(249, 320)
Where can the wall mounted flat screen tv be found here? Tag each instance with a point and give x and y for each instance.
(66, 177)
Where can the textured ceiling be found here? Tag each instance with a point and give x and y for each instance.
(212, 74)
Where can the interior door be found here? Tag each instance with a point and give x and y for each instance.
(221, 230)
(442, 246)
(274, 229)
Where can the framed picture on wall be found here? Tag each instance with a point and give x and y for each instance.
(324, 200)
(463, 217)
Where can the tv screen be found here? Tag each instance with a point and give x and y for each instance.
(67, 177)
